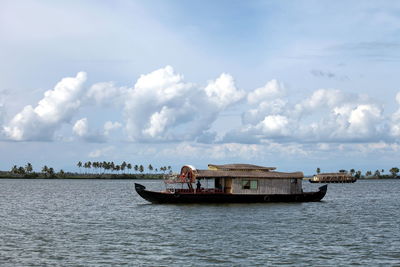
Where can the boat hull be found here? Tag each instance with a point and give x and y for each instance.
(166, 197)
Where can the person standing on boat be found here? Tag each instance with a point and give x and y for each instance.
(198, 185)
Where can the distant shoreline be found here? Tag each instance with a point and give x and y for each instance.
(78, 176)
(135, 176)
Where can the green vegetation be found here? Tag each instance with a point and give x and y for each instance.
(90, 170)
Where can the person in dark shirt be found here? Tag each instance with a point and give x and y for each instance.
(198, 185)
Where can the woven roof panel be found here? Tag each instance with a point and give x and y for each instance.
(240, 167)
(246, 174)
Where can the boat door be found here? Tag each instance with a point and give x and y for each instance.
(228, 185)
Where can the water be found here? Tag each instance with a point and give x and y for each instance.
(104, 223)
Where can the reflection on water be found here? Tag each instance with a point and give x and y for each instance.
(96, 222)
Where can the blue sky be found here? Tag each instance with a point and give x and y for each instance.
(292, 84)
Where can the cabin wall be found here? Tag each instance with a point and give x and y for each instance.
(269, 186)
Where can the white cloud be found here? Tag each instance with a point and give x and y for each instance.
(162, 107)
(271, 107)
(223, 91)
(274, 125)
(159, 121)
(111, 126)
(363, 119)
(106, 93)
(395, 120)
(80, 127)
(56, 107)
(271, 90)
(323, 99)
(326, 116)
(101, 152)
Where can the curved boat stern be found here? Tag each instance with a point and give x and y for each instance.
(323, 189)
(139, 187)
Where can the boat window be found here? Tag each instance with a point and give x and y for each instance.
(250, 184)
(253, 184)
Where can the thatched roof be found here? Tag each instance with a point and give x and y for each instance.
(239, 167)
(246, 174)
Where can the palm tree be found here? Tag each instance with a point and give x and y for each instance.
(61, 173)
(377, 174)
(394, 171)
(352, 171)
(141, 168)
(318, 170)
(163, 169)
(21, 170)
(79, 166)
(28, 168)
(150, 167)
(45, 169)
(136, 168)
(129, 166)
(94, 165)
(104, 166)
(14, 169)
(89, 164)
(123, 166)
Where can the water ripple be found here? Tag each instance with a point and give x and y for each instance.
(103, 223)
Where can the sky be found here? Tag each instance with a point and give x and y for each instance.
(292, 84)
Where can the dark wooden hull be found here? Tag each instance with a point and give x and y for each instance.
(164, 197)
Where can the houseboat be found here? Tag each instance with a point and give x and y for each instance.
(340, 177)
(232, 183)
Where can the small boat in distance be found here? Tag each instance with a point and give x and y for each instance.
(340, 177)
(232, 183)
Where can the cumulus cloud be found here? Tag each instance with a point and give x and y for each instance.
(271, 90)
(274, 125)
(162, 107)
(56, 107)
(223, 92)
(106, 93)
(327, 115)
(111, 126)
(101, 152)
(323, 99)
(395, 120)
(81, 129)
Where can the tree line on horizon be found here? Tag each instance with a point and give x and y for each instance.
(28, 170)
(104, 167)
(377, 174)
(96, 167)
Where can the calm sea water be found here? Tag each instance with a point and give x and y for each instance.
(104, 223)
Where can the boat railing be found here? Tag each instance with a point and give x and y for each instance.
(196, 191)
